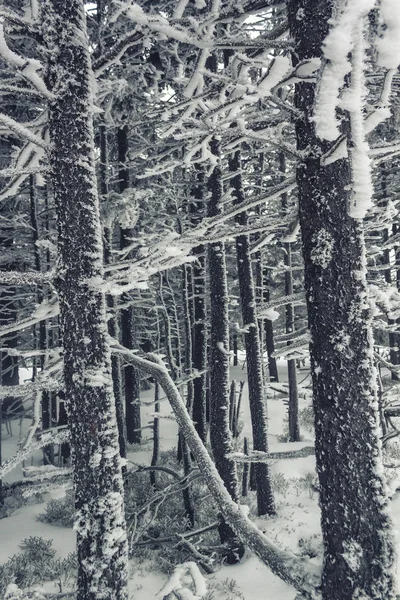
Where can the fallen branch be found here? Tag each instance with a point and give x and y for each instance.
(298, 572)
(258, 457)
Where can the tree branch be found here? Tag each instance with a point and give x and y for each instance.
(295, 571)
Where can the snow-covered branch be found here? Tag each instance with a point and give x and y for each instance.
(57, 436)
(15, 19)
(256, 456)
(27, 67)
(44, 311)
(16, 278)
(297, 298)
(22, 132)
(295, 571)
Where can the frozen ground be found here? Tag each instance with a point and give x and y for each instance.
(296, 527)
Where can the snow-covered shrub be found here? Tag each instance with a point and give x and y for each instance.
(59, 511)
(311, 546)
(34, 565)
(158, 513)
(14, 499)
(280, 484)
(13, 592)
(227, 589)
(306, 418)
(308, 482)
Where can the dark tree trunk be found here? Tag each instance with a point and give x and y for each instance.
(199, 343)
(132, 385)
(156, 434)
(293, 408)
(100, 524)
(220, 435)
(265, 500)
(269, 337)
(9, 374)
(113, 325)
(358, 546)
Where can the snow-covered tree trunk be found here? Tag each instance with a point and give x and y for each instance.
(265, 500)
(100, 524)
(113, 325)
(358, 545)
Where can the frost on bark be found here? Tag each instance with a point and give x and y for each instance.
(358, 545)
(100, 524)
(265, 500)
(220, 435)
(199, 345)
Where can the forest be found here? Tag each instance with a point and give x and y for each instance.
(199, 299)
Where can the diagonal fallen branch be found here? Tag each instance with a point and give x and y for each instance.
(298, 572)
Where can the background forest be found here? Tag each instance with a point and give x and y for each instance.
(199, 298)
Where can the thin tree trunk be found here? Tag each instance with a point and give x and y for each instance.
(294, 428)
(100, 523)
(265, 500)
(132, 385)
(220, 435)
(269, 337)
(359, 553)
(199, 344)
(113, 326)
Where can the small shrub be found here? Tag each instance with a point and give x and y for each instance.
(280, 483)
(59, 512)
(227, 589)
(306, 418)
(311, 546)
(34, 565)
(308, 482)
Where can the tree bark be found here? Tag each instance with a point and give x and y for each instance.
(113, 325)
(98, 486)
(199, 344)
(132, 387)
(265, 500)
(220, 435)
(358, 546)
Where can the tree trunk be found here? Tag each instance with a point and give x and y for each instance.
(113, 325)
(358, 547)
(132, 387)
(98, 486)
(269, 336)
(220, 435)
(265, 500)
(199, 344)
(294, 429)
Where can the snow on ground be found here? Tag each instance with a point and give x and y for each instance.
(295, 527)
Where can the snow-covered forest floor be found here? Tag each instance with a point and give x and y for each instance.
(296, 526)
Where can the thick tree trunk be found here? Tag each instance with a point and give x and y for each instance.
(100, 523)
(220, 435)
(132, 384)
(358, 546)
(265, 500)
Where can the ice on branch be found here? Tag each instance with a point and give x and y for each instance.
(353, 101)
(337, 48)
(388, 43)
(28, 67)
